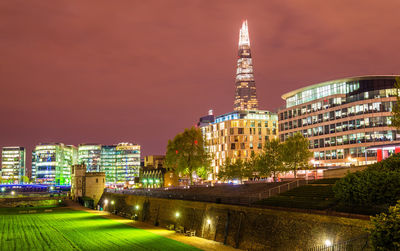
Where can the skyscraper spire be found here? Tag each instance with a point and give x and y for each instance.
(244, 35)
(245, 95)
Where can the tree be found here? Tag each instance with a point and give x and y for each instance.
(24, 179)
(186, 153)
(385, 233)
(396, 107)
(269, 161)
(295, 153)
(232, 170)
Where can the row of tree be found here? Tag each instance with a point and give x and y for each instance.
(276, 157)
(187, 155)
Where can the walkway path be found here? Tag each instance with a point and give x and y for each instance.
(197, 242)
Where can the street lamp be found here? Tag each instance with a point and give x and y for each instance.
(177, 214)
(137, 207)
(328, 243)
(112, 202)
(208, 221)
(12, 193)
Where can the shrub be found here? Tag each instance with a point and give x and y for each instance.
(378, 184)
(369, 187)
(385, 233)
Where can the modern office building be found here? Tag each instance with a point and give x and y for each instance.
(237, 135)
(51, 163)
(342, 118)
(89, 154)
(245, 94)
(120, 163)
(13, 164)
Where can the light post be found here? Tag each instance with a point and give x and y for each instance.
(136, 212)
(177, 214)
(105, 203)
(113, 206)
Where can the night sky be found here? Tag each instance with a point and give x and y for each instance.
(77, 71)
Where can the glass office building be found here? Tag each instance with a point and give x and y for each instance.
(51, 163)
(13, 161)
(89, 154)
(342, 118)
(121, 163)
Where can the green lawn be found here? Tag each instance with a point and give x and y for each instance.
(317, 195)
(65, 229)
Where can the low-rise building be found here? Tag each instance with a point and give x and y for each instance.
(87, 187)
(154, 174)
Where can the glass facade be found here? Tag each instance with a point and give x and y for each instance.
(12, 164)
(342, 118)
(51, 163)
(89, 154)
(121, 163)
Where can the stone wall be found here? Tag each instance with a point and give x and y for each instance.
(243, 227)
(31, 201)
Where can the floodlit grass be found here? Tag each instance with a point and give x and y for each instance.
(65, 229)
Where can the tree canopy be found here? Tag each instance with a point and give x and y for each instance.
(235, 170)
(186, 154)
(295, 153)
(269, 161)
(385, 233)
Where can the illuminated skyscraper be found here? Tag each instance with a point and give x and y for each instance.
(245, 95)
(13, 164)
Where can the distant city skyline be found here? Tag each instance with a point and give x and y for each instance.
(143, 72)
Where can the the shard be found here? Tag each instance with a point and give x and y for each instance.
(245, 95)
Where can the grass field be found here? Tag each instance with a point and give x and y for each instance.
(65, 229)
(317, 195)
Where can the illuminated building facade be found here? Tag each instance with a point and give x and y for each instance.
(51, 163)
(245, 94)
(13, 164)
(342, 118)
(120, 163)
(89, 154)
(154, 174)
(238, 134)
